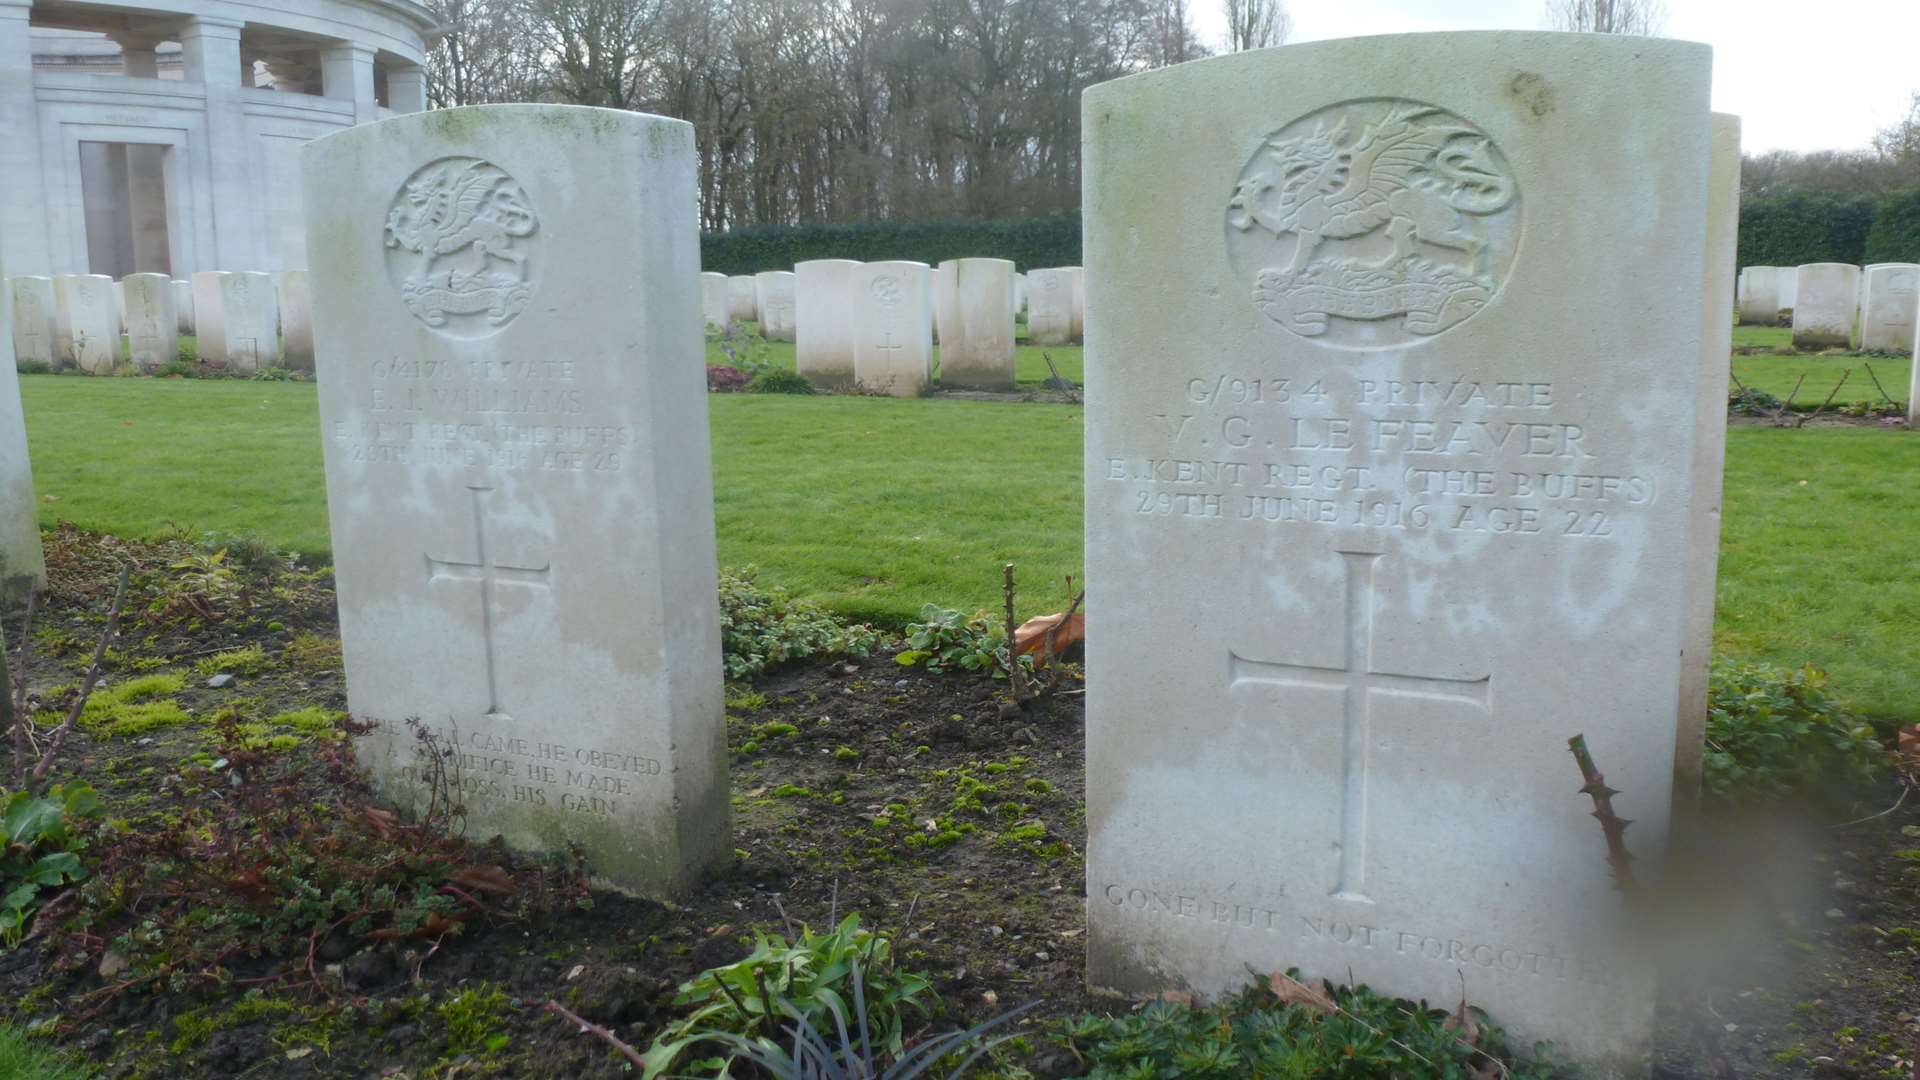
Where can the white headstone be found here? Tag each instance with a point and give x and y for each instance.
(1079, 302)
(823, 320)
(774, 297)
(88, 318)
(153, 326)
(892, 306)
(1019, 292)
(1760, 297)
(1824, 306)
(713, 299)
(1050, 307)
(517, 474)
(743, 299)
(296, 319)
(1787, 287)
(1378, 516)
(941, 283)
(1709, 457)
(210, 334)
(977, 349)
(183, 304)
(1889, 306)
(22, 565)
(33, 319)
(120, 304)
(250, 321)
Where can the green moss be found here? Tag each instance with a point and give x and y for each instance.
(474, 1017)
(135, 706)
(250, 660)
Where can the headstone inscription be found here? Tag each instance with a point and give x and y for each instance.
(92, 325)
(22, 565)
(892, 306)
(517, 473)
(774, 296)
(250, 321)
(823, 321)
(1824, 305)
(976, 344)
(210, 333)
(153, 326)
(1412, 511)
(1889, 306)
(33, 319)
(713, 299)
(296, 319)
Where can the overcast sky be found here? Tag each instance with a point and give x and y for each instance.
(1801, 74)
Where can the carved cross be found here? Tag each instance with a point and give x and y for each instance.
(1358, 679)
(491, 575)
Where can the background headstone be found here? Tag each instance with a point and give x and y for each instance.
(249, 321)
(1823, 308)
(1079, 302)
(977, 349)
(32, 310)
(1787, 287)
(743, 299)
(1760, 300)
(1415, 527)
(517, 475)
(87, 316)
(22, 565)
(1050, 307)
(941, 283)
(209, 335)
(183, 304)
(153, 326)
(773, 291)
(296, 319)
(1889, 306)
(713, 299)
(823, 321)
(892, 306)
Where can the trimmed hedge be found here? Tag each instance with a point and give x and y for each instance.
(1032, 243)
(1803, 227)
(1895, 236)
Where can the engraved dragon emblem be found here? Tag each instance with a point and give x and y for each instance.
(1412, 171)
(461, 217)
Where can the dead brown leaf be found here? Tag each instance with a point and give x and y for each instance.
(1176, 997)
(1910, 747)
(1461, 1021)
(1037, 636)
(491, 879)
(1292, 991)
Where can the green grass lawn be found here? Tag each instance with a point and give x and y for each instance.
(876, 506)
(1777, 375)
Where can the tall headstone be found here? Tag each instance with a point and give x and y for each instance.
(250, 321)
(892, 306)
(210, 333)
(1709, 458)
(32, 309)
(1416, 499)
(1787, 288)
(183, 304)
(517, 473)
(823, 320)
(89, 322)
(713, 299)
(296, 319)
(774, 291)
(976, 347)
(153, 326)
(743, 303)
(1050, 307)
(22, 565)
(1760, 298)
(1889, 306)
(1824, 306)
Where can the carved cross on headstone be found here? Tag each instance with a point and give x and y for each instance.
(889, 346)
(1358, 679)
(490, 575)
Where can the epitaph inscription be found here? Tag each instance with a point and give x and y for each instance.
(1374, 223)
(451, 237)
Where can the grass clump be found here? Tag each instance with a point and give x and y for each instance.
(22, 1058)
(760, 628)
(779, 382)
(134, 707)
(1774, 733)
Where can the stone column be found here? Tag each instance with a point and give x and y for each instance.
(211, 49)
(407, 88)
(346, 74)
(23, 214)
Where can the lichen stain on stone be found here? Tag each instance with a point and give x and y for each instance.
(1532, 91)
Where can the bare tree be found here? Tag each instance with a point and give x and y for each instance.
(1643, 17)
(477, 60)
(1899, 142)
(1257, 24)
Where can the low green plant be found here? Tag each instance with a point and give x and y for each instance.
(21, 1058)
(816, 1055)
(1349, 1032)
(474, 1018)
(33, 367)
(779, 382)
(944, 638)
(1750, 402)
(811, 979)
(1774, 733)
(760, 628)
(746, 352)
(42, 850)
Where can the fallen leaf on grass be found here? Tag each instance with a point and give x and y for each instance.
(1292, 991)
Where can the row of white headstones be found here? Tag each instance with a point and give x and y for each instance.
(874, 325)
(247, 321)
(1836, 304)
(1376, 516)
